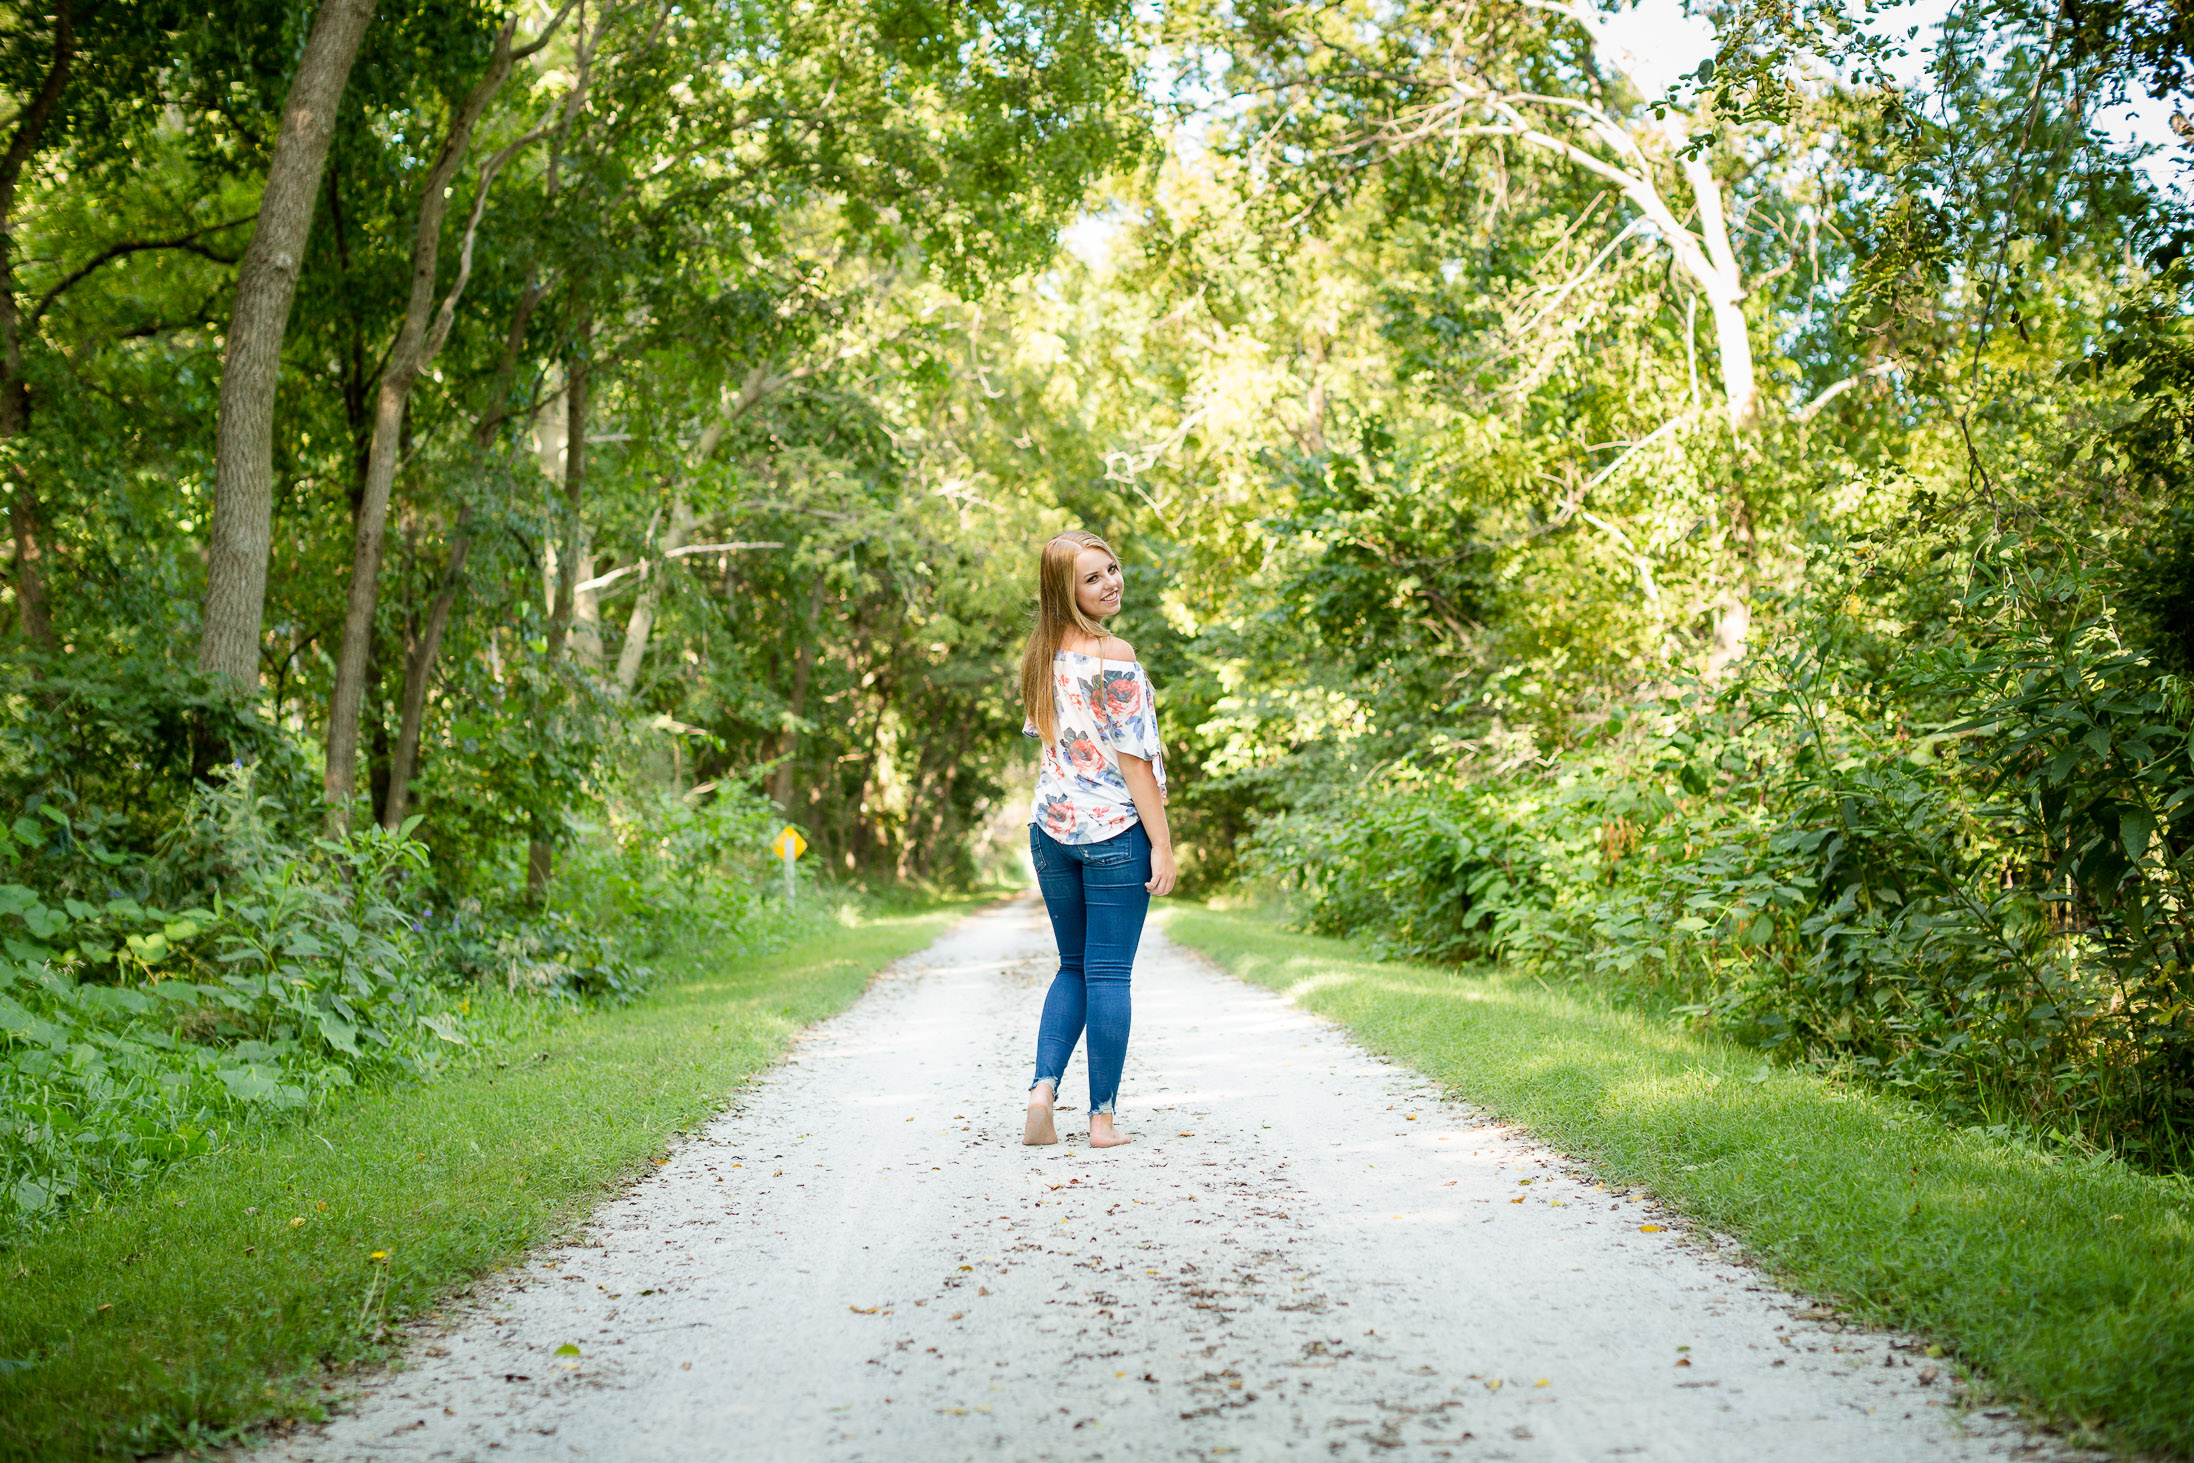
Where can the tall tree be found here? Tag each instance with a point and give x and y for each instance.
(419, 338)
(240, 533)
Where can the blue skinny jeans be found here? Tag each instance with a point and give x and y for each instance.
(1094, 893)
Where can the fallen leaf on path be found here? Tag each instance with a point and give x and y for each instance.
(1515, 1201)
(1543, 1382)
(1649, 1229)
(1188, 1135)
(1494, 1385)
(1449, 1184)
(862, 1310)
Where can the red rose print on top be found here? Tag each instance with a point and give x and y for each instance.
(1082, 754)
(1059, 818)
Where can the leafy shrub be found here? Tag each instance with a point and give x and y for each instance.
(184, 957)
(1941, 835)
(132, 1035)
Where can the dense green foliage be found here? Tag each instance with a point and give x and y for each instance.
(666, 547)
(1719, 544)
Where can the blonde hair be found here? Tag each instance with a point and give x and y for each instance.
(1057, 610)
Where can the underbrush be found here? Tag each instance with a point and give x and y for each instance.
(174, 981)
(1939, 833)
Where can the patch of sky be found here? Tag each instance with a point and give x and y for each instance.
(1667, 39)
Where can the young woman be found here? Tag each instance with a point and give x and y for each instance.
(1098, 836)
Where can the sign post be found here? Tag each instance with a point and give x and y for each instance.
(789, 845)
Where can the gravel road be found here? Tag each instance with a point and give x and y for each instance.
(1305, 1253)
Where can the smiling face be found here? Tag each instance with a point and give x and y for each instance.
(1096, 583)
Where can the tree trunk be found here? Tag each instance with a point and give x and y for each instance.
(1724, 286)
(419, 662)
(242, 529)
(586, 607)
(377, 745)
(30, 135)
(575, 482)
(29, 568)
(641, 622)
(415, 346)
(541, 849)
(803, 667)
(24, 519)
(419, 675)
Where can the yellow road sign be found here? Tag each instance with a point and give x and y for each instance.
(789, 844)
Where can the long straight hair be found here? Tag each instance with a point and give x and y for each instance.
(1057, 611)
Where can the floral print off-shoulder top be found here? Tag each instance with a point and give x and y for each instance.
(1080, 795)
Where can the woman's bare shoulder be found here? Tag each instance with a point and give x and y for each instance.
(1110, 647)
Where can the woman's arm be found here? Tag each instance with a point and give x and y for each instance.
(1142, 785)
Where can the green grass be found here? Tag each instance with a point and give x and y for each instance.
(201, 1306)
(2065, 1284)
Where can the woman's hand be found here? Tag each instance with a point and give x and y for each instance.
(1162, 874)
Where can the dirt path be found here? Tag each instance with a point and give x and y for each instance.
(1305, 1254)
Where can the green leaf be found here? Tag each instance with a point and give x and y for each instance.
(248, 1084)
(445, 1026)
(339, 1033)
(2136, 826)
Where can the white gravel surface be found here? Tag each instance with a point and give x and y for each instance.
(1305, 1253)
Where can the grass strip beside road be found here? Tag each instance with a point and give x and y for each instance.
(2067, 1284)
(222, 1296)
